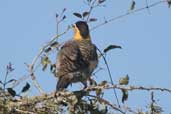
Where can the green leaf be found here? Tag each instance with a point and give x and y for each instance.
(101, 1)
(11, 92)
(12, 80)
(44, 67)
(124, 95)
(53, 68)
(169, 3)
(156, 109)
(104, 109)
(103, 83)
(1, 82)
(45, 61)
(89, 1)
(64, 17)
(93, 82)
(77, 15)
(25, 88)
(57, 15)
(85, 14)
(92, 19)
(63, 10)
(79, 94)
(110, 47)
(98, 92)
(132, 6)
(124, 80)
(54, 44)
(48, 50)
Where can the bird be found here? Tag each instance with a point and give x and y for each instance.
(77, 58)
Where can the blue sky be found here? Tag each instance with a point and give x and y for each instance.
(145, 38)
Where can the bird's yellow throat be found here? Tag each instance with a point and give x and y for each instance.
(77, 35)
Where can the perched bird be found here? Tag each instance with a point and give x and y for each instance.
(77, 58)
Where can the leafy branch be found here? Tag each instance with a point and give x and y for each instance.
(129, 88)
(73, 99)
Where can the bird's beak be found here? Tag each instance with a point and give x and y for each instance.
(73, 25)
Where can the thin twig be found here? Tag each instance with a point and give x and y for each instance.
(148, 9)
(4, 88)
(90, 10)
(31, 67)
(108, 103)
(126, 14)
(23, 112)
(44, 47)
(110, 76)
(128, 88)
(20, 80)
(152, 110)
(128, 109)
(57, 26)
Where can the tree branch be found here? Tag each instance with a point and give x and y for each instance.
(126, 14)
(31, 66)
(38, 103)
(108, 103)
(23, 112)
(128, 88)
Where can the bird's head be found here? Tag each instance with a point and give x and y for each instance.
(81, 31)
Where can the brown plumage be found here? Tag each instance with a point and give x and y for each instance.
(77, 58)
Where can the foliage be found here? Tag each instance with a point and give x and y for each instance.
(89, 100)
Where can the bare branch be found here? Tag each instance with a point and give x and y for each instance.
(129, 88)
(91, 9)
(31, 67)
(126, 14)
(108, 103)
(23, 112)
(20, 80)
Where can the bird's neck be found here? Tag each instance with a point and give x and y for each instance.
(78, 37)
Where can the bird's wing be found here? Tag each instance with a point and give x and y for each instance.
(93, 58)
(89, 53)
(69, 59)
(69, 64)
(93, 54)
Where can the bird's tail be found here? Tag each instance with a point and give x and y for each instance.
(63, 83)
